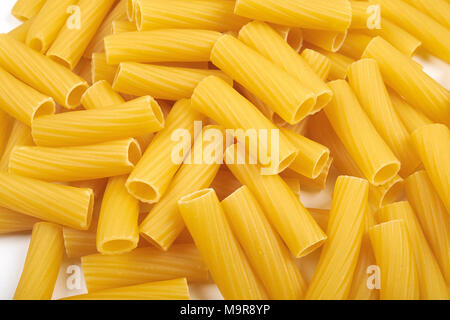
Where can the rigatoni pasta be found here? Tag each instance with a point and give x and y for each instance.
(27, 9)
(318, 62)
(330, 41)
(439, 10)
(20, 33)
(12, 221)
(207, 223)
(100, 95)
(102, 70)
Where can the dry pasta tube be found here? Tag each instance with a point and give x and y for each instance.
(431, 281)
(409, 81)
(284, 210)
(334, 15)
(27, 9)
(334, 274)
(195, 14)
(143, 265)
(164, 223)
(60, 204)
(176, 289)
(267, 254)
(264, 79)
(100, 95)
(360, 14)
(72, 41)
(118, 230)
(432, 144)
(119, 12)
(20, 136)
(366, 81)
(214, 98)
(121, 26)
(160, 46)
(12, 221)
(42, 264)
(41, 72)
(6, 123)
(79, 243)
(89, 162)
(101, 70)
(339, 63)
(47, 23)
(262, 38)
(20, 33)
(395, 258)
(318, 62)
(329, 41)
(375, 159)
(432, 215)
(354, 45)
(439, 10)
(161, 82)
(133, 118)
(151, 177)
(208, 225)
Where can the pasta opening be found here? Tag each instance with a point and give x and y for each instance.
(73, 99)
(318, 168)
(386, 173)
(311, 248)
(393, 194)
(323, 99)
(130, 9)
(90, 211)
(134, 152)
(143, 191)
(117, 246)
(304, 108)
(295, 39)
(138, 16)
(338, 41)
(61, 61)
(45, 108)
(36, 44)
(157, 112)
(196, 195)
(286, 162)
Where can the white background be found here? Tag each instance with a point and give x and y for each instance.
(13, 248)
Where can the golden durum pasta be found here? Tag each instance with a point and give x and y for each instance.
(20, 33)
(79, 243)
(354, 45)
(330, 41)
(101, 70)
(27, 9)
(439, 10)
(20, 136)
(121, 26)
(318, 62)
(12, 221)
(100, 95)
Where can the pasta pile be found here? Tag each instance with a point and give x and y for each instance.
(95, 96)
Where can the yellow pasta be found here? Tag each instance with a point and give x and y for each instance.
(432, 143)
(265, 250)
(151, 177)
(431, 281)
(376, 161)
(194, 14)
(118, 230)
(89, 162)
(72, 40)
(131, 10)
(412, 83)
(41, 72)
(176, 289)
(283, 93)
(60, 204)
(6, 123)
(79, 243)
(365, 78)
(42, 264)
(12, 221)
(21, 101)
(214, 98)
(164, 223)
(411, 118)
(330, 41)
(133, 118)
(320, 14)
(121, 26)
(143, 265)
(318, 62)
(295, 38)
(119, 12)
(20, 33)
(395, 258)
(435, 37)
(396, 36)
(284, 210)
(160, 45)
(208, 225)
(339, 63)
(27, 9)
(360, 289)
(360, 14)
(20, 136)
(47, 23)
(439, 10)
(161, 82)
(311, 158)
(262, 38)
(354, 45)
(84, 70)
(332, 279)
(433, 217)
(101, 70)
(100, 95)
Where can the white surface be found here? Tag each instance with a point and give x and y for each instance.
(13, 248)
